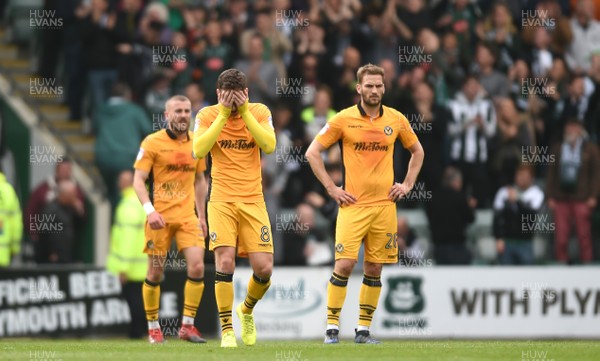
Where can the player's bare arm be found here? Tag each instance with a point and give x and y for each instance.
(399, 190)
(263, 134)
(200, 189)
(205, 138)
(155, 219)
(313, 154)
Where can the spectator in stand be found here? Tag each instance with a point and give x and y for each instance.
(125, 259)
(572, 190)
(120, 126)
(262, 74)
(42, 195)
(549, 12)
(411, 249)
(498, 29)
(540, 57)
(473, 123)
(592, 115)
(452, 62)
(276, 46)
(213, 57)
(449, 213)
(99, 40)
(516, 76)
(58, 225)
(11, 227)
(315, 117)
(506, 146)
(492, 81)
(196, 95)
(158, 93)
(392, 94)
(575, 104)
(343, 82)
(430, 122)
(461, 18)
(586, 37)
(515, 210)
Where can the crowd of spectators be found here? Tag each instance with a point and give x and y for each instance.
(503, 95)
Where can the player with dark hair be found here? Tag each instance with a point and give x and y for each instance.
(367, 133)
(234, 131)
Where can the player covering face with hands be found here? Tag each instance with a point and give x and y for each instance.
(234, 131)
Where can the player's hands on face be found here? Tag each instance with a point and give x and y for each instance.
(156, 220)
(203, 227)
(240, 96)
(225, 98)
(342, 197)
(398, 191)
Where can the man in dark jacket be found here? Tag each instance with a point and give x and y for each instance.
(449, 214)
(120, 126)
(57, 225)
(515, 209)
(572, 188)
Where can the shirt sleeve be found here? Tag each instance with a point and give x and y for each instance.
(264, 117)
(331, 132)
(406, 134)
(145, 158)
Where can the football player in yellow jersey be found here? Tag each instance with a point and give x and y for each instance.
(177, 183)
(367, 132)
(234, 131)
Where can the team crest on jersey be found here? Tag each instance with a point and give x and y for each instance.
(339, 248)
(213, 236)
(140, 154)
(388, 130)
(150, 244)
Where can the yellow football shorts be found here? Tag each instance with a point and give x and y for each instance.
(376, 226)
(242, 225)
(187, 234)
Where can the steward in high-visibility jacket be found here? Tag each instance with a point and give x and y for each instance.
(127, 241)
(11, 222)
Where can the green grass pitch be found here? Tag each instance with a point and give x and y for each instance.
(173, 349)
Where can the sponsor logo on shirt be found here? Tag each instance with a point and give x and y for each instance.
(239, 144)
(371, 147)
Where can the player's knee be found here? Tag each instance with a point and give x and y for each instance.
(226, 264)
(196, 270)
(264, 271)
(154, 275)
(344, 267)
(372, 269)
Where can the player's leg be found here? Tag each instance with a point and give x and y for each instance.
(352, 225)
(192, 291)
(156, 247)
(380, 247)
(256, 241)
(223, 226)
(225, 266)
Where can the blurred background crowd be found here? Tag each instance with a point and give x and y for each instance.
(503, 95)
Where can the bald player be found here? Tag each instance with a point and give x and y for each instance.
(177, 185)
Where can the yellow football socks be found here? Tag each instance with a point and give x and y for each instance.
(257, 287)
(224, 296)
(192, 294)
(336, 295)
(151, 295)
(368, 298)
